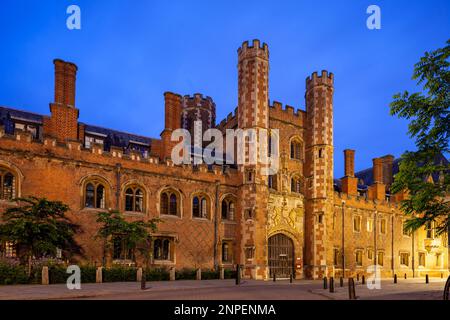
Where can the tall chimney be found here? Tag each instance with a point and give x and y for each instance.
(63, 122)
(377, 170)
(173, 108)
(349, 159)
(65, 79)
(349, 182)
(388, 161)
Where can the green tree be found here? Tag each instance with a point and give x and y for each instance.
(429, 116)
(39, 227)
(133, 234)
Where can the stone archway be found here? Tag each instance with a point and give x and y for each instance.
(281, 256)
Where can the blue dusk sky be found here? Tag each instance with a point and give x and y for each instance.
(130, 52)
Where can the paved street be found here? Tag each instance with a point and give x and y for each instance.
(411, 289)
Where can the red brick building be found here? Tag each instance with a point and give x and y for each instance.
(299, 220)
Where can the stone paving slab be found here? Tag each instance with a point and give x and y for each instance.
(410, 289)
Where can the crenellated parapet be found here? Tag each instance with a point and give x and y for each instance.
(286, 113)
(255, 49)
(324, 79)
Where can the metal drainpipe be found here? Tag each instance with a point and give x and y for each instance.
(343, 240)
(392, 246)
(118, 167)
(216, 212)
(412, 249)
(375, 239)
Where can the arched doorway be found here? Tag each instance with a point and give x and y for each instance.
(281, 256)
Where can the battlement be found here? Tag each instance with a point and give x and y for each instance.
(286, 113)
(326, 78)
(253, 50)
(230, 117)
(198, 100)
(21, 141)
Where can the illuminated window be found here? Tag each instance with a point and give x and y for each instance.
(369, 225)
(357, 224)
(122, 250)
(296, 185)
(383, 226)
(369, 254)
(7, 185)
(8, 249)
(358, 258)
(380, 258)
(226, 253)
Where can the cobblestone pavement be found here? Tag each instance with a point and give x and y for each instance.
(411, 289)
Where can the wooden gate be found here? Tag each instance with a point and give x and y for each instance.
(281, 256)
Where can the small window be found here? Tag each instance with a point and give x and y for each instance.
(249, 253)
(357, 223)
(8, 249)
(336, 256)
(227, 209)
(320, 153)
(320, 218)
(7, 185)
(122, 250)
(296, 185)
(421, 259)
(95, 195)
(358, 258)
(369, 225)
(383, 226)
(429, 229)
(249, 176)
(134, 199)
(248, 214)
(169, 203)
(380, 258)
(404, 258)
(370, 254)
(199, 207)
(272, 181)
(296, 150)
(226, 252)
(162, 249)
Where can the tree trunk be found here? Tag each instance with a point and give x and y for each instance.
(29, 265)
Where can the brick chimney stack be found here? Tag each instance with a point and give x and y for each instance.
(65, 79)
(349, 182)
(63, 122)
(173, 108)
(349, 159)
(377, 191)
(388, 162)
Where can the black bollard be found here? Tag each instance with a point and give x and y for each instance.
(351, 289)
(238, 274)
(143, 280)
(395, 278)
(447, 290)
(357, 277)
(331, 284)
(427, 280)
(341, 282)
(405, 275)
(363, 279)
(274, 277)
(325, 283)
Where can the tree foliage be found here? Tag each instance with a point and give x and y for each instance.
(38, 227)
(134, 234)
(429, 116)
